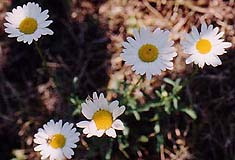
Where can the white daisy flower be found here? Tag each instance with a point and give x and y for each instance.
(204, 47)
(55, 141)
(27, 23)
(102, 117)
(149, 52)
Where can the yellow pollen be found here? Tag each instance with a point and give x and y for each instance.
(103, 119)
(28, 25)
(203, 46)
(148, 53)
(57, 141)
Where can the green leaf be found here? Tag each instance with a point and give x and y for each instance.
(167, 107)
(160, 141)
(73, 101)
(122, 147)
(132, 103)
(143, 139)
(126, 131)
(177, 81)
(137, 115)
(157, 128)
(169, 81)
(190, 112)
(77, 111)
(177, 89)
(108, 153)
(175, 103)
(158, 93)
(147, 107)
(155, 118)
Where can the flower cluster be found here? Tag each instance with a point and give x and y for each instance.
(56, 140)
(149, 53)
(152, 52)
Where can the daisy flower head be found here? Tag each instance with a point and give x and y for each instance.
(204, 46)
(149, 52)
(102, 117)
(56, 140)
(27, 23)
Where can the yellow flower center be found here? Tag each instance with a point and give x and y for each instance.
(28, 25)
(203, 46)
(103, 119)
(148, 53)
(57, 141)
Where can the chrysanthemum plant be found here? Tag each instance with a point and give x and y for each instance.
(149, 53)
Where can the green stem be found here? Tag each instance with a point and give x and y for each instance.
(44, 62)
(135, 85)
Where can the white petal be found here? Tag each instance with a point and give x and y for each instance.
(113, 105)
(226, 44)
(136, 34)
(20, 38)
(195, 33)
(89, 135)
(95, 96)
(47, 31)
(117, 124)
(126, 45)
(215, 61)
(132, 42)
(203, 27)
(68, 152)
(88, 110)
(86, 130)
(83, 124)
(45, 24)
(189, 59)
(49, 127)
(43, 16)
(102, 102)
(99, 133)
(148, 76)
(111, 133)
(58, 126)
(40, 141)
(40, 147)
(66, 128)
(117, 112)
(92, 130)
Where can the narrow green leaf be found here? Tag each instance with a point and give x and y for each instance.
(160, 141)
(158, 93)
(143, 139)
(190, 112)
(137, 115)
(167, 107)
(169, 81)
(108, 153)
(175, 103)
(72, 100)
(157, 128)
(155, 118)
